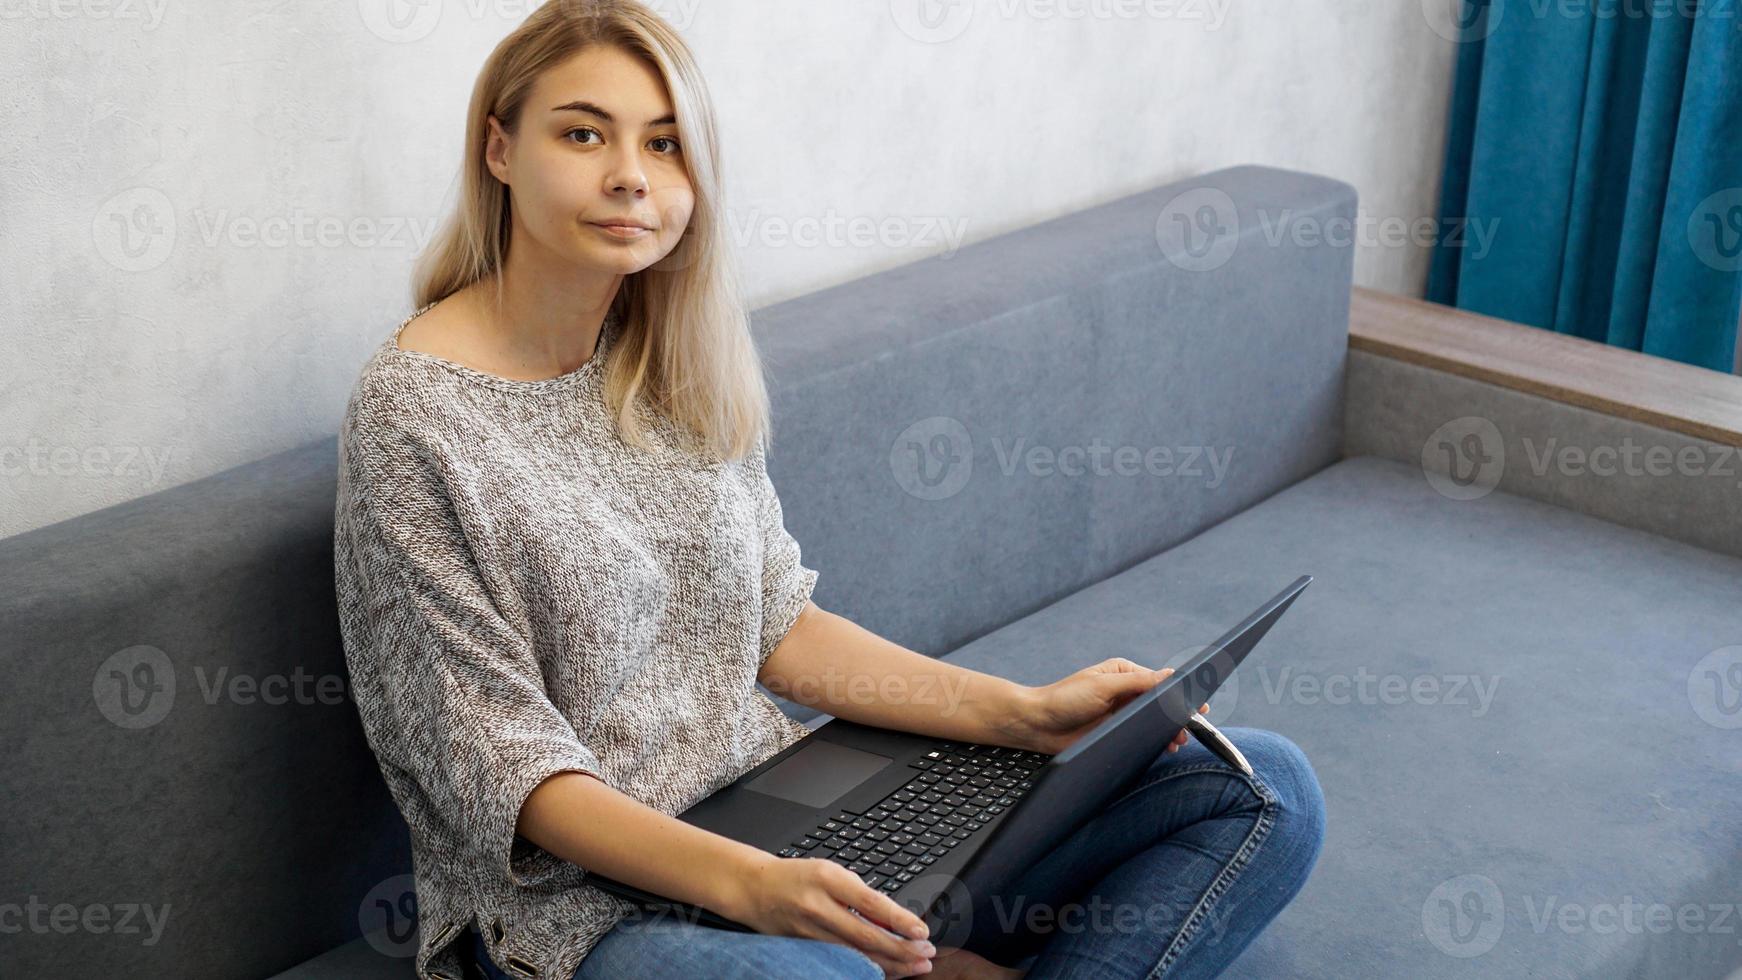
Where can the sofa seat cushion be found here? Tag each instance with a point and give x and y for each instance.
(1509, 706)
(1495, 694)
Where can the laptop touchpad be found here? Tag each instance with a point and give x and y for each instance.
(818, 774)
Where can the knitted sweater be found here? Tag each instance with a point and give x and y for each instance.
(522, 593)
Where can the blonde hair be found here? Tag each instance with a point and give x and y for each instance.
(699, 368)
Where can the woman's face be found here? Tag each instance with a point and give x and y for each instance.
(597, 143)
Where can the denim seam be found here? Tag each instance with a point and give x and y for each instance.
(1225, 878)
(1175, 773)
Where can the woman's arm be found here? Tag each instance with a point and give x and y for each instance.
(831, 663)
(590, 823)
(816, 658)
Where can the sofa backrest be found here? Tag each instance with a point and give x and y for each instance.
(178, 746)
(177, 738)
(937, 425)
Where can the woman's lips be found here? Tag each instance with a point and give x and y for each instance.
(625, 232)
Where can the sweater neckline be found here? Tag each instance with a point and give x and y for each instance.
(590, 368)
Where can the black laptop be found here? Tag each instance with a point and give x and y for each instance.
(931, 821)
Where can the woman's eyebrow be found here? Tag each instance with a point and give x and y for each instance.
(581, 105)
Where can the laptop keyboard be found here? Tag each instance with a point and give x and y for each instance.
(956, 790)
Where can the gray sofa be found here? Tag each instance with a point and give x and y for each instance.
(1505, 698)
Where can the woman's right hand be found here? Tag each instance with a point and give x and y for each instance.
(811, 898)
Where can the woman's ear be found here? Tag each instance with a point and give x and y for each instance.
(496, 146)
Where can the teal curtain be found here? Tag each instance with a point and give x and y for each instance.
(1593, 179)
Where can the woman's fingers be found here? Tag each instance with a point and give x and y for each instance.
(832, 931)
(875, 907)
(886, 910)
(897, 957)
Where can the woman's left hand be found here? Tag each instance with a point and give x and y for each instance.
(1056, 715)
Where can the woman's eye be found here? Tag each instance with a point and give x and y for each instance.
(676, 147)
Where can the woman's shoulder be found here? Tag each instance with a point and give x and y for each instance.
(387, 390)
(389, 412)
(396, 381)
(437, 330)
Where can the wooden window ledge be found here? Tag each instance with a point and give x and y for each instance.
(1626, 384)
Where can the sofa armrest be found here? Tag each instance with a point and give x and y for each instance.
(1481, 404)
(1667, 394)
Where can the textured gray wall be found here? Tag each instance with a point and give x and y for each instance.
(208, 211)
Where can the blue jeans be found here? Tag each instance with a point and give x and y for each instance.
(1173, 878)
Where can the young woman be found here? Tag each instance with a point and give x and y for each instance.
(562, 570)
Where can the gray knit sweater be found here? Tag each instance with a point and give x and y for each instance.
(522, 593)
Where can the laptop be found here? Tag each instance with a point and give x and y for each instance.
(932, 821)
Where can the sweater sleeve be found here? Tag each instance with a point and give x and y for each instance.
(787, 583)
(449, 690)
